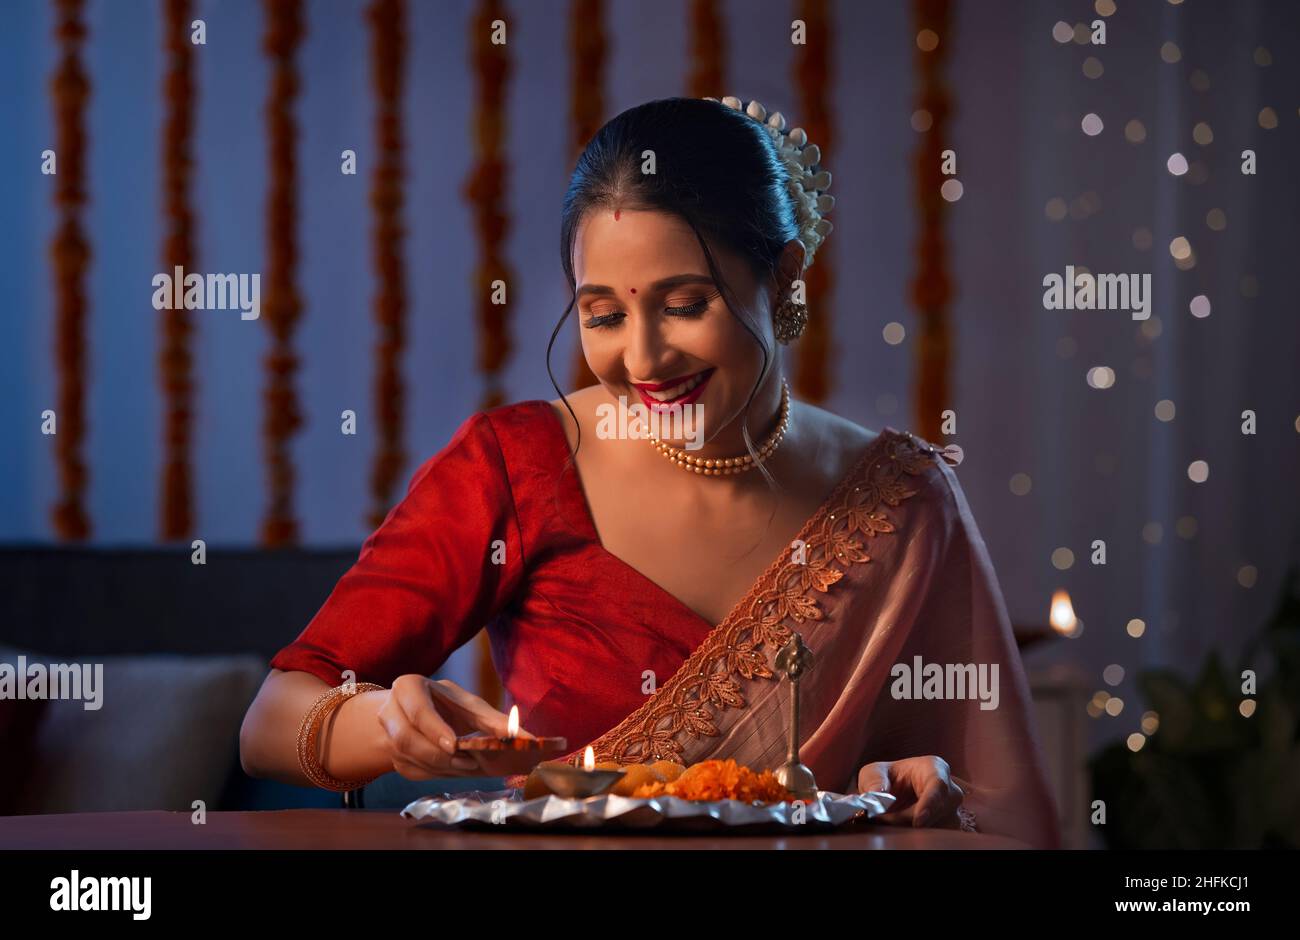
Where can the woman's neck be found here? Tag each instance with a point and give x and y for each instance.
(761, 418)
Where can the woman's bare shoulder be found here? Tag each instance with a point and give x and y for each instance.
(856, 440)
(837, 434)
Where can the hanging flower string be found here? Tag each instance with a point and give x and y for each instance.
(486, 191)
(388, 64)
(175, 360)
(587, 53)
(812, 78)
(932, 286)
(70, 257)
(708, 50)
(282, 307)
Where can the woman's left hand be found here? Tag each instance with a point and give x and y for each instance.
(926, 793)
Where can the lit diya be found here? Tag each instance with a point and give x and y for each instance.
(578, 782)
(512, 754)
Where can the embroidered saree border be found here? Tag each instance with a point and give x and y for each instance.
(707, 682)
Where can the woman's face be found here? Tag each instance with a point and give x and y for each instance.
(651, 315)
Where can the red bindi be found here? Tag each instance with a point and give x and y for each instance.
(634, 290)
(617, 213)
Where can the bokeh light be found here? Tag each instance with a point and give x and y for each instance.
(1101, 377)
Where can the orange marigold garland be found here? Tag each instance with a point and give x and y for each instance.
(175, 361)
(708, 51)
(812, 70)
(388, 65)
(932, 286)
(70, 257)
(485, 189)
(587, 52)
(720, 780)
(282, 307)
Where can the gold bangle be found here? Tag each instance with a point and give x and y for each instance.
(309, 731)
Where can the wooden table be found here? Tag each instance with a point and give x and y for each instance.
(385, 829)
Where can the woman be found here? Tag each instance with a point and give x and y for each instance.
(637, 603)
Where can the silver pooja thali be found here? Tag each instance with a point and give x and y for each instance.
(585, 804)
(507, 808)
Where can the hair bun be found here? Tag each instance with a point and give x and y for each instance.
(805, 181)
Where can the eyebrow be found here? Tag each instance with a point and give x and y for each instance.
(677, 280)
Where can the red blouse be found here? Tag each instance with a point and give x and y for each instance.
(495, 532)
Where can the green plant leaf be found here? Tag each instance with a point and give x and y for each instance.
(1171, 699)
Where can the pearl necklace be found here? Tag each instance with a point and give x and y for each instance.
(722, 466)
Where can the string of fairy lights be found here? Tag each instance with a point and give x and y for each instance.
(1194, 170)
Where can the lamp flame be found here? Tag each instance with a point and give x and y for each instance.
(512, 726)
(589, 759)
(1062, 617)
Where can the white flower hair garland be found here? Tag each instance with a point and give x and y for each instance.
(807, 189)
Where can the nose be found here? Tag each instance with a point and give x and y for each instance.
(646, 352)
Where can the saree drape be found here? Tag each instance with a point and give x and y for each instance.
(888, 583)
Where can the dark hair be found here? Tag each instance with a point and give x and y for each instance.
(715, 167)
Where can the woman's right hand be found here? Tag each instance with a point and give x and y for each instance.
(422, 718)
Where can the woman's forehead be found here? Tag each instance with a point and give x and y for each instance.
(646, 241)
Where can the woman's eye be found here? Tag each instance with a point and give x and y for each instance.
(604, 321)
(612, 319)
(690, 310)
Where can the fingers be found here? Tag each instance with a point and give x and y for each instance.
(409, 745)
(874, 778)
(931, 803)
(422, 719)
(939, 796)
(925, 793)
(421, 743)
(902, 784)
(416, 703)
(471, 713)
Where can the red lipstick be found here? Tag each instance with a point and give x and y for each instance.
(688, 398)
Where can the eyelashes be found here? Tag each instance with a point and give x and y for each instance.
(610, 320)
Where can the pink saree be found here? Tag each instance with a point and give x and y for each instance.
(889, 575)
(893, 573)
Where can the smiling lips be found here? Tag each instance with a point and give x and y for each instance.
(681, 391)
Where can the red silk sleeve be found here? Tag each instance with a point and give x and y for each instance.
(443, 563)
